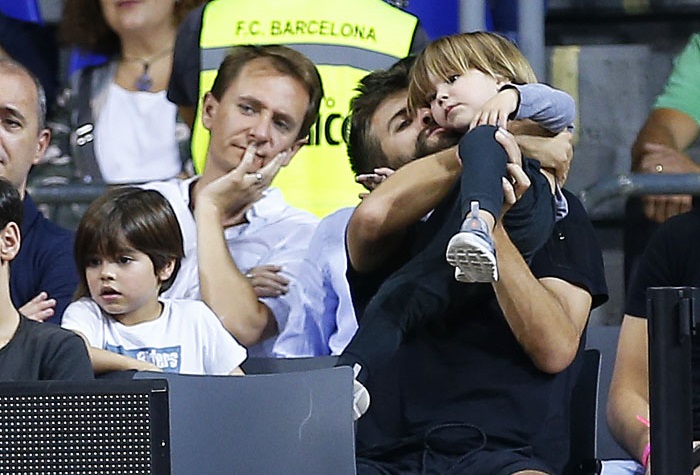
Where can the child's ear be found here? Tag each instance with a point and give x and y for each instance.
(9, 241)
(167, 270)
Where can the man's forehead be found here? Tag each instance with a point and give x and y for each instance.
(259, 68)
(17, 90)
(257, 74)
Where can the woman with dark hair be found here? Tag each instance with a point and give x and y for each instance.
(125, 129)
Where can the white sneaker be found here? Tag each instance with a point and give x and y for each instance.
(360, 395)
(471, 251)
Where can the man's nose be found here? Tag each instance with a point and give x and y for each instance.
(260, 131)
(424, 116)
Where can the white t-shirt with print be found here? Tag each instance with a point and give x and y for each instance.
(187, 338)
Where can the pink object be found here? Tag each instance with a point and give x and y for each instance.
(644, 420)
(645, 455)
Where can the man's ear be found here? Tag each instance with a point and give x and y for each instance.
(210, 106)
(9, 241)
(42, 144)
(167, 270)
(294, 149)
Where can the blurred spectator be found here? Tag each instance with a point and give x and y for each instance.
(43, 275)
(35, 47)
(30, 351)
(661, 147)
(125, 130)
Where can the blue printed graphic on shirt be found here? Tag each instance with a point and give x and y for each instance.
(167, 359)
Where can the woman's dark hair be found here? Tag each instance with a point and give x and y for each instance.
(129, 218)
(83, 25)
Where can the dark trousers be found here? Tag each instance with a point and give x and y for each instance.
(451, 449)
(424, 288)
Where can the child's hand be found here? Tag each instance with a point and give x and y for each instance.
(373, 180)
(39, 308)
(497, 109)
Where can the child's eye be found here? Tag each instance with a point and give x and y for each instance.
(124, 259)
(452, 78)
(93, 262)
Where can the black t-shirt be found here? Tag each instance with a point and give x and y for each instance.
(183, 88)
(469, 368)
(44, 351)
(671, 259)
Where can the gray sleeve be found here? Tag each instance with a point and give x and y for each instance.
(551, 108)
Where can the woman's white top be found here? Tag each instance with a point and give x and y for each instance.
(135, 138)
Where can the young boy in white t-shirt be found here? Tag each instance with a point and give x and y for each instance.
(128, 248)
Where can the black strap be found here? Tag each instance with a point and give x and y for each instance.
(83, 138)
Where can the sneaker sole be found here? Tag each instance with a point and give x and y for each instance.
(474, 261)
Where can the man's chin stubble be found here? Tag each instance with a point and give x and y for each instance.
(426, 145)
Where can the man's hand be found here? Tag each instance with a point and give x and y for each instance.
(657, 158)
(39, 308)
(267, 281)
(497, 109)
(554, 153)
(235, 192)
(517, 181)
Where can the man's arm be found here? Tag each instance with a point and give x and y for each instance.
(629, 388)
(223, 286)
(660, 148)
(671, 128)
(554, 153)
(380, 221)
(547, 316)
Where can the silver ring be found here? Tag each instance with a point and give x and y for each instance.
(259, 177)
(659, 168)
(249, 276)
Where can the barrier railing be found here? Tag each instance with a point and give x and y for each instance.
(637, 184)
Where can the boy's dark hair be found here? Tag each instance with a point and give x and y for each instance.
(364, 149)
(124, 218)
(283, 59)
(11, 208)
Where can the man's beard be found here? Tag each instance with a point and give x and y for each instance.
(427, 145)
